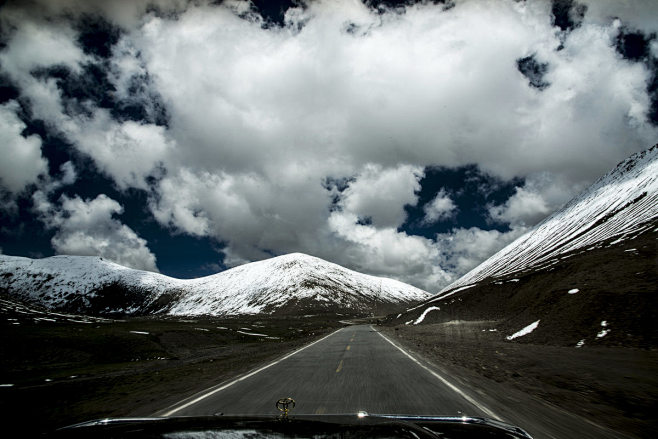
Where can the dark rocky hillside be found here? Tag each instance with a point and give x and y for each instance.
(616, 284)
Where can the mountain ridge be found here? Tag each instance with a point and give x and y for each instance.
(91, 284)
(584, 276)
(596, 215)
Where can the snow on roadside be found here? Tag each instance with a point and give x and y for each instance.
(422, 316)
(525, 331)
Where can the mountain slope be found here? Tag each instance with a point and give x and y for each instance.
(620, 204)
(586, 275)
(294, 283)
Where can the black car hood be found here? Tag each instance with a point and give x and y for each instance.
(361, 425)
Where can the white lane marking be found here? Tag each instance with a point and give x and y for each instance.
(212, 391)
(484, 409)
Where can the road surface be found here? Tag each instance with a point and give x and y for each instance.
(355, 368)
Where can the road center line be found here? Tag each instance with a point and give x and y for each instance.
(347, 348)
(484, 409)
(219, 387)
(340, 366)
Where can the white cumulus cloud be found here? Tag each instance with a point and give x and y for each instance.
(89, 228)
(381, 194)
(385, 251)
(464, 249)
(260, 117)
(22, 161)
(441, 207)
(540, 196)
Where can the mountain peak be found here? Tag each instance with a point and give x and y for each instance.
(292, 283)
(296, 258)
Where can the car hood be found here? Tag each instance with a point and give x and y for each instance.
(345, 425)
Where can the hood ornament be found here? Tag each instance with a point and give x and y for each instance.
(285, 405)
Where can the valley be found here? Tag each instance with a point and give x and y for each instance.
(72, 371)
(555, 333)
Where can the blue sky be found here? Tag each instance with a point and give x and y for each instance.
(405, 139)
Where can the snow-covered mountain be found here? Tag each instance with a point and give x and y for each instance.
(293, 283)
(585, 276)
(621, 205)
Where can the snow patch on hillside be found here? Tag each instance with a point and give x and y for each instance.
(422, 316)
(525, 331)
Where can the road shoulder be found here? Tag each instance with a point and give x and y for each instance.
(513, 403)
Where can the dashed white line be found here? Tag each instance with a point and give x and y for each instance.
(215, 389)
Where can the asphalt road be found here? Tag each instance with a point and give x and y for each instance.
(355, 368)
